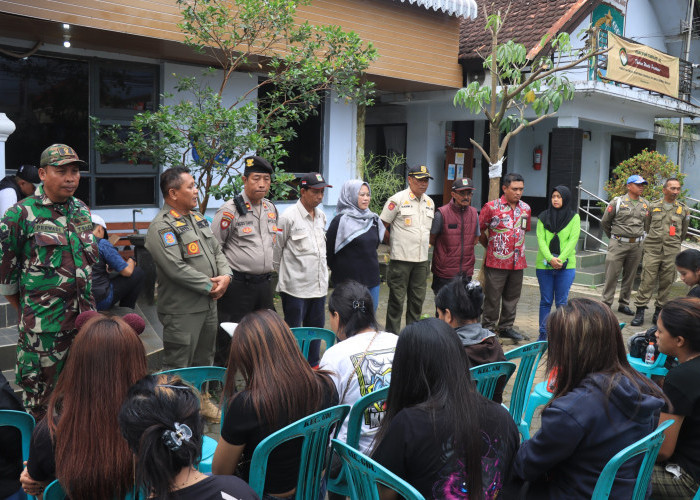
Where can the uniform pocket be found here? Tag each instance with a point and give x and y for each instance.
(190, 245)
(299, 242)
(50, 248)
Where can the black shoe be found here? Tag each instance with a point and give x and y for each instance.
(510, 334)
(639, 317)
(656, 315)
(625, 310)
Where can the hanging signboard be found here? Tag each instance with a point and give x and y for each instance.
(641, 66)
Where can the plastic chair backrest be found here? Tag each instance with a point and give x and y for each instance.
(315, 431)
(357, 414)
(364, 474)
(649, 446)
(306, 334)
(697, 495)
(529, 356)
(22, 421)
(486, 376)
(656, 368)
(54, 491)
(198, 375)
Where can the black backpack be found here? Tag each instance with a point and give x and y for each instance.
(639, 341)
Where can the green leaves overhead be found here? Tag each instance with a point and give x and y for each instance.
(293, 67)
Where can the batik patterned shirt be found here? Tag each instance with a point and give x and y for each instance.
(507, 227)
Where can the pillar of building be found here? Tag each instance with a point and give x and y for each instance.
(7, 126)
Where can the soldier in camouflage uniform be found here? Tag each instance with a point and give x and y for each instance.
(46, 255)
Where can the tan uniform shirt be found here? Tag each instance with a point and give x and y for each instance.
(624, 217)
(410, 220)
(186, 255)
(666, 228)
(247, 240)
(300, 253)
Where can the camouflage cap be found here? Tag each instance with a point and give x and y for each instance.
(59, 154)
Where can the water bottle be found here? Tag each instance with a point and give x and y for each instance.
(650, 356)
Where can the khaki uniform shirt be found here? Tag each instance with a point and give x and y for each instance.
(247, 240)
(186, 255)
(410, 220)
(300, 253)
(666, 228)
(624, 217)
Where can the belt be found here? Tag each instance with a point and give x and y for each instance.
(251, 278)
(626, 239)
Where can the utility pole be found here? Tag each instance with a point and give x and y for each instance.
(686, 56)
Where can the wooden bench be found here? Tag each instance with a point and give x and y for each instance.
(119, 236)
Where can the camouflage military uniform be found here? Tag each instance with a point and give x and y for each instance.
(46, 255)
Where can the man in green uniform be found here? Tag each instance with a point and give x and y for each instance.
(666, 226)
(47, 250)
(408, 217)
(623, 223)
(192, 273)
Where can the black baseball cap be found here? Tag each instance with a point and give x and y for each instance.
(313, 180)
(463, 183)
(419, 172)
(28, 173)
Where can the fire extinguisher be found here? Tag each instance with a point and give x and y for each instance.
(537, 158)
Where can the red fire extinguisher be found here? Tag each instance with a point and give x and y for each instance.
(537, 158)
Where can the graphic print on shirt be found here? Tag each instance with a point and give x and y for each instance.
(453, 476)
(373, 373)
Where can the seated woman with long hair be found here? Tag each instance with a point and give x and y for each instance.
(439, 433)
(600, 405)
(160, 420)
(677, 472)
(361, 345)
(688, 266)
(279, 388)
(79, 442)
(459, 304)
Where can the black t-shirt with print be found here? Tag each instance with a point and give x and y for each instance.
(412, 451)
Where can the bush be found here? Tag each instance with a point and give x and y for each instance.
(381, 173)
(652, 165)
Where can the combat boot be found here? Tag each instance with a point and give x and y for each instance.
(656, 314)
(638, 317)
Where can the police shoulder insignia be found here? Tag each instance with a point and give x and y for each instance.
(193, 248)
(169, 238)
(174, 214)
(270, 215)
(247, 205)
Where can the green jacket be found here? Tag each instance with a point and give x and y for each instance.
(46, 255)
(568, 237)
(187, 256)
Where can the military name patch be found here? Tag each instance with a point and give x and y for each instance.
(49, 228)
(202, 223)
(193, 248)
(169, 238)
(183, 229)
(84, 228)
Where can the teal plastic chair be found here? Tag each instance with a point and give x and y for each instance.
(54, 491)
(307, 334)
(529, 356)
(315, 431)
(339, 485)
(487, 376)
(697, 495)
(364, 474)
(25, 423)
(656, 368)
(197, 376)
(538, 397)
(649, 446)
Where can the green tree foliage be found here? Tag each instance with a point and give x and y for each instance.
(652, 165)
(381, 173)
(516, 85)
(292, 68)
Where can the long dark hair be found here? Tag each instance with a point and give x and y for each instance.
(584, 337)
(152, 407)
(431, 371)
(92, 458)
(681, 318)
(277, 377)
(462, 297)
(353, 303)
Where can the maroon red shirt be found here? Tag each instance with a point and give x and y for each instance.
(507, 227)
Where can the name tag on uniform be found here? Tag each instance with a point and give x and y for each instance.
(202, 223)
(49, 228)
(523, 223)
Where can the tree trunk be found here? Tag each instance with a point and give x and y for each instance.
(360, 140)
(495, 183)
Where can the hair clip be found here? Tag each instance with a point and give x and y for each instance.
(136, 322)
(182, 387)
(473, 284)
(358, 304)
(174, 439)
